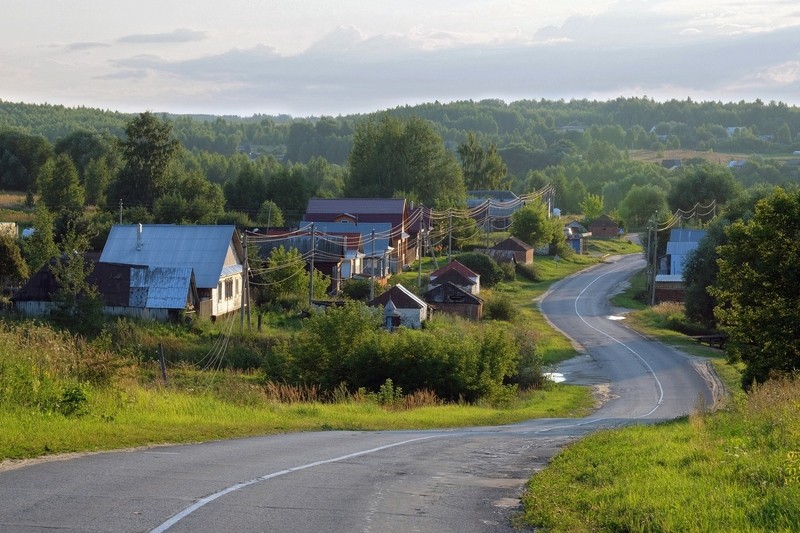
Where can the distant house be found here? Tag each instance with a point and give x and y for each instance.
(366, 212)
(604, 227)
(576, 236)
(492, 210)
(410, 309)
(338, 254)
(511, 250)
(436, 277)
(157, 293)
(452, 299)
(669, 278)
(214, 253)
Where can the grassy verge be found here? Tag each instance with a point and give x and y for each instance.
(118, 417)
(735, 469)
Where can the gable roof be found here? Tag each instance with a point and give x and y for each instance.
(453, 276)
(401, 297)
(451, 293)
(603, 220)
(203, 248)
(356, 207)
(458, 267)
(121, 285)
(514, 244)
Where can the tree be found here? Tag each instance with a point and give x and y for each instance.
(592, 206)
(21, 158)
(641, 203)
(60, 188)
(147, 151)
(78, 304)
(284, 280)
(270, 215)
(40, 246)
(483, 169)
(701, 185)
(392, 158)
(533, 225)
(758, 289)
(96, 178)
(700, 273)
(12, 265)
(488, 269)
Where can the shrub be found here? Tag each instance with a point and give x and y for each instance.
(509, 272)
(490, 272)
(529, 272)
(499, 308)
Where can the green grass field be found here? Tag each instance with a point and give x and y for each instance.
(731, 470)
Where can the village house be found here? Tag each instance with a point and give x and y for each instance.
(492, 210)
(214, 253)
(338, 255)
(404, 306)
(450, 298)
(669, 284)
(156, 293)
(576, 236)
(511, 250)
(365, 213)
(457, 273)
(604, 227)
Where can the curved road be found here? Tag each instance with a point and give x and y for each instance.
(464, 481)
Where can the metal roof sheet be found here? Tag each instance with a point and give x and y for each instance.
(356, 206)
(203, 248)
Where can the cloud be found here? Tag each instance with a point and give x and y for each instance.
(176, 37)
(78, 47)
(348, 71)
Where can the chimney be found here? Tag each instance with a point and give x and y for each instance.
(139, 242)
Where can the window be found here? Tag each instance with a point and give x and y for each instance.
(228, 289)
(219, 292)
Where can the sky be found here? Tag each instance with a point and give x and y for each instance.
(319, 57)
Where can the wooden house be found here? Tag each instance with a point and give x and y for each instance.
(411, 310)
(157, 293)
(511, 250)
(452, 299)
(473, 277)
(214, 253)
(366, 212)
(604, 227)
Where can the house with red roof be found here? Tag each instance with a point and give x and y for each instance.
(442, 275)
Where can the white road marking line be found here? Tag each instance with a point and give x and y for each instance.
(208, 499)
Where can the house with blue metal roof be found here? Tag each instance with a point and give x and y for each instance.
(214, 253)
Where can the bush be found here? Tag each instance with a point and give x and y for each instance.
(490, 272)
(499, 308)
(530, 272)
(509, 272)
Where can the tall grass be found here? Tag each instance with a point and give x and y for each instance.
(735, 470)
(59, 393)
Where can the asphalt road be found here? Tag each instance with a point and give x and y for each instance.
(464, 481)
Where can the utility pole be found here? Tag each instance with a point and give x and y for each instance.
(120, 211)
(244, 283)
(655, 260)
(419, 255)
(450, 236)
(311, 271)
(372, 269)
